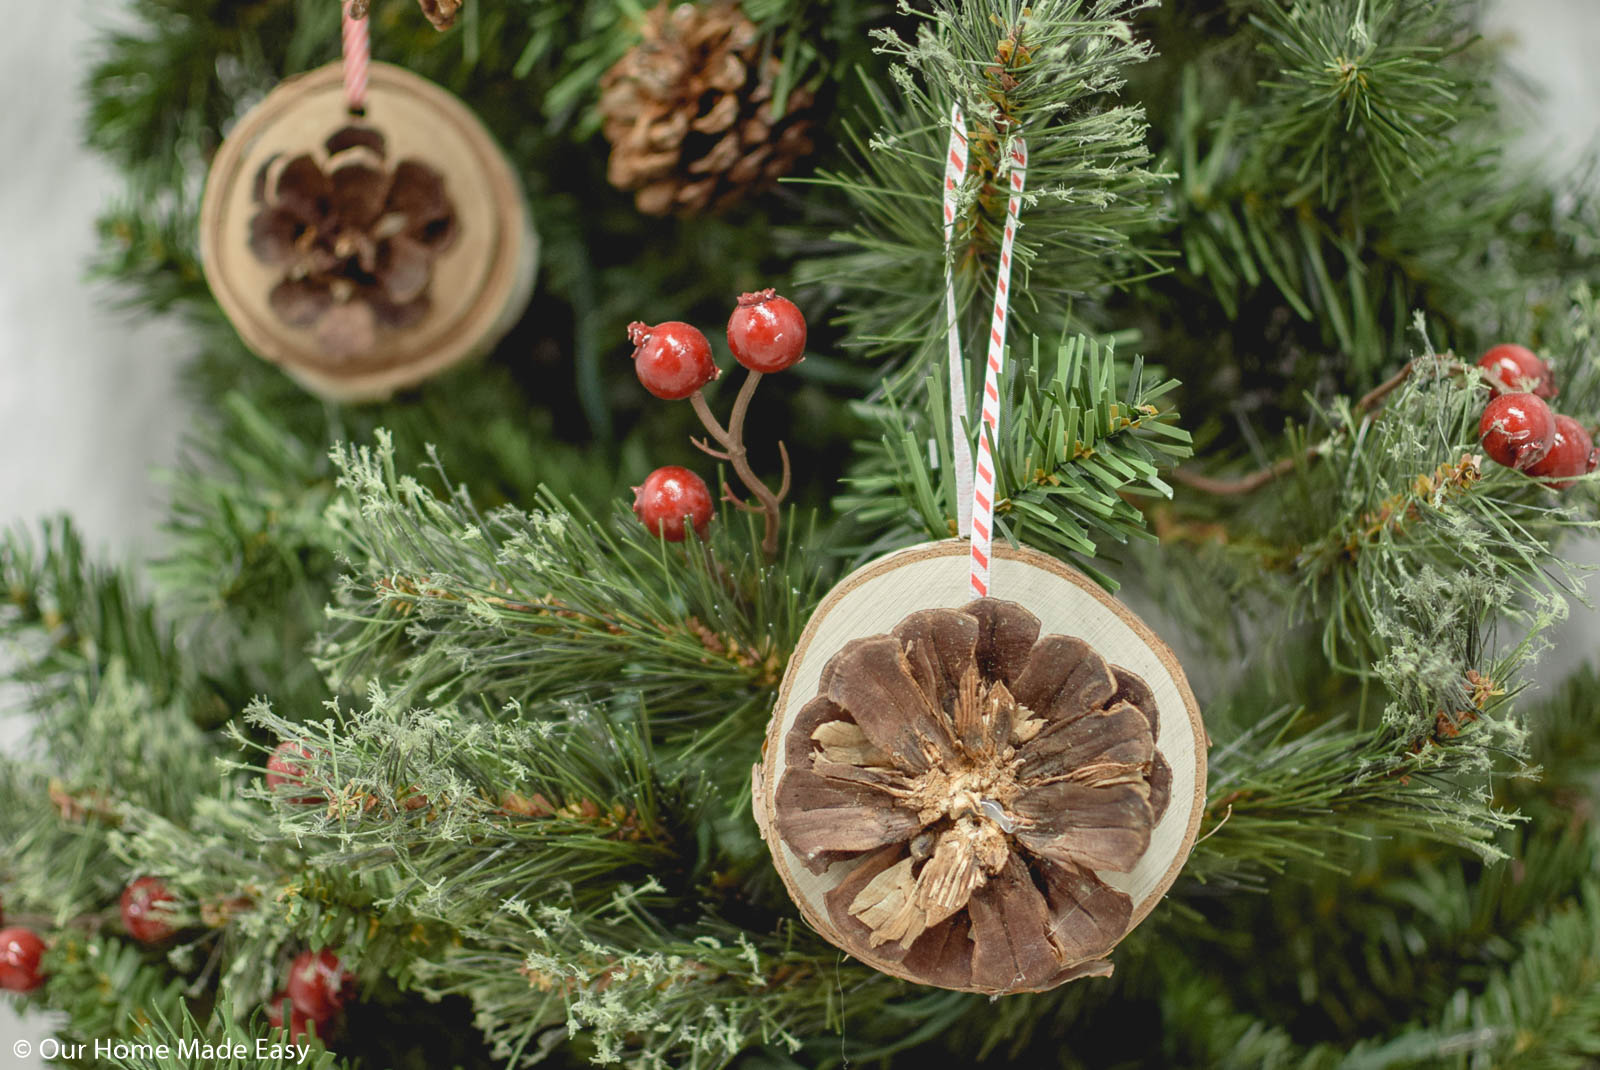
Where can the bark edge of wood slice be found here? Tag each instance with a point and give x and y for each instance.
(480, 285)
(877, 596)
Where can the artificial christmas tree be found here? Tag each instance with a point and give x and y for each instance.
(425, 733)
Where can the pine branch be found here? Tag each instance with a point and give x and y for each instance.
(1080, 437)
(551, 605)
(1046, 71)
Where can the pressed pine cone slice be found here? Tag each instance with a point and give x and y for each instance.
(978, 776)
(356, 239)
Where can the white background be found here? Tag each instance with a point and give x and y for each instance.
(88, 399)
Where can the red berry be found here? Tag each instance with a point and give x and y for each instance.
(766, 332)
(284, 768)
(145, 911)
(670, 495)
(672, 359)
(299, 1023)
(316, 984)
(1572, 453)
(1516, 429)
(1516, 368)
(20, 950)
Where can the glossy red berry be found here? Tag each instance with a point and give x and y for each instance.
(147, 910)
(281, 1006)
(672, 359)
(767, 333)
(1516, 430)
(284, 767)
(1516, 369)
(20, 951)
(1572, 453)
(668, 497)
(316, 984)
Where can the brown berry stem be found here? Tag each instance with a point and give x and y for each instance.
(731, 438)
(1282, 467)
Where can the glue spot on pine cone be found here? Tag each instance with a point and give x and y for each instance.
(978, 776)
(356, 239)
(689, 111)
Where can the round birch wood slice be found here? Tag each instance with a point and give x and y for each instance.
(480, 284)
(874, 599)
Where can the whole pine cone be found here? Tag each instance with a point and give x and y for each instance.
(688, 112)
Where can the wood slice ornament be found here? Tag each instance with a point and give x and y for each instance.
(984, 795)
(364, 254)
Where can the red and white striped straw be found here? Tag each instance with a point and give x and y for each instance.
(955, 170)
(983, 483)
(357, 56)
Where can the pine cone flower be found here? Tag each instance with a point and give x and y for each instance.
(977, 777)
(688, 111)
(356, 239)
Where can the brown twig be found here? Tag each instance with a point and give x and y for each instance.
(1262, 476)
(731, 438)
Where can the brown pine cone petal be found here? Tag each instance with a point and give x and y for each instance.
(627, 170)
(1096, 968)
(265, 176)
(300, 188)
(442, 13)
(948, 640)
(1063, 679)
(654, 199)
(887, 906)
(718, 119)
(872, 681)
(299, 302)
(1087, 916)
(662, 134)
(348, 330)
(417, 192)
(347, 137)
(797, 745)
(360, 187)
(403, 269)
(1010, 927)
(272, 236)
(695, 196)
(1132, 689)
(1096, 827)
(748, 169)
(844, 743)
(1119, 736)
(943, 954)
(397, 315)
(727, 75)
(816, 816)
(723, 155)
(1006, 635)
(1160, 787)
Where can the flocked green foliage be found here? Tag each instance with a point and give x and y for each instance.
(520, 809)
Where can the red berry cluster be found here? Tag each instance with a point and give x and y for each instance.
(766, 333)
(315, 993)
(1518, 429)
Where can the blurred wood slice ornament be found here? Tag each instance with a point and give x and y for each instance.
(364, 254)
(983, 795)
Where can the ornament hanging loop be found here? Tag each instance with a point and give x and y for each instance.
(357, 56)
(975, 480)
